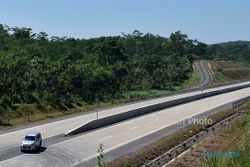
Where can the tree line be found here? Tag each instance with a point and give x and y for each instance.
(56, 71)
(235, 50)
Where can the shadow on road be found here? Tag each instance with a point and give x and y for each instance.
(40, 150)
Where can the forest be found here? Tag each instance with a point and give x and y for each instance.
(61, 71)
(234, 50)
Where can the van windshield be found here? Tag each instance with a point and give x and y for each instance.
(30, 138)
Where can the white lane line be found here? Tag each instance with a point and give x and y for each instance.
(126, 142)
(141, 136)
(5, 149)
(155, 120)
(80, 122)
(90, 115)
(105, 138)
(101, 130)
(49, 124)
(134, 128)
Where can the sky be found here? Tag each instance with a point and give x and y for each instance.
(209, 21)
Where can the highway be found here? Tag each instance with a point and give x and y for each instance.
(206, 77)
(8, 140)
(80, 149)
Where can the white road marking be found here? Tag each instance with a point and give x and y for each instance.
(150, 101)
(39, 126)
(134, 128)
(105, 138)
(155, 120)
(141, 136)
(5, 149)
(126, 142)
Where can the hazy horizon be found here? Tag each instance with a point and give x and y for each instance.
(209, 22)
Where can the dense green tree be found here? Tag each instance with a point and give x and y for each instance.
(36, 69)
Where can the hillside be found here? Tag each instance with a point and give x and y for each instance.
(47, 76)
(43, 77)
(234, 43)
(235, 50)
(229, 71)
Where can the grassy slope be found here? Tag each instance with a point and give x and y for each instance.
(33, 114)
(228, 72)
(152, 151)
(193, 80)
(241, 145)
(231, 138)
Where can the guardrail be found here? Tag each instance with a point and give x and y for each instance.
(196, 139)
(240, 102)
(148, 109)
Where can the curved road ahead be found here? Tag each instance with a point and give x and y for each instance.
(206, 77)
(118, 139)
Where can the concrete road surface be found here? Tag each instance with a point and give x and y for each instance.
(12, 139)
(62, 151)
(206, 77)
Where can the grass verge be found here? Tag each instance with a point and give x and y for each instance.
(241, 145)
(154, 150)
(193, 80)
(228, 72)
(22, 114)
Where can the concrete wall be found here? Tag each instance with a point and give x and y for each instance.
(148, 109)
(173, 153)
(196, 139)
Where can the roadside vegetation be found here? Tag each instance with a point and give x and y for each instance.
(237, 51)
(43, 77)
(193, 80)
(241, 132)
(154, 150)
(229, 72)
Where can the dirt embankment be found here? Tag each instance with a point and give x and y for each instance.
(228, 71)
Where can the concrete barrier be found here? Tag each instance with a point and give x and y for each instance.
(196, 139)
(148, 109)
